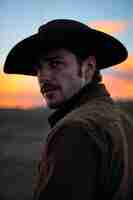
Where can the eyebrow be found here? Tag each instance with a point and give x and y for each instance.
(48, 58)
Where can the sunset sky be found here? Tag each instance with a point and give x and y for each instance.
(20, 19)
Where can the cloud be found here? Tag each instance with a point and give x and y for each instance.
(123, 75)
(119, 80)
(123, 71)
(118, 87)
(109, 26)
(127, 66)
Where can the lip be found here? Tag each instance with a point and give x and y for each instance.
(46, 90)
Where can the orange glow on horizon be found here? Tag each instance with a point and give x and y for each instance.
(9, 101)
(127, 65)
(20, 91)
(19, 84)
(119, 89)
(109, 26)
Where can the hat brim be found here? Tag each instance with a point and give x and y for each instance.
(22, 59)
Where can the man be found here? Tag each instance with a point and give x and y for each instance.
(86, 153)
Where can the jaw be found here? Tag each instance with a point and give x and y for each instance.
(54, 99)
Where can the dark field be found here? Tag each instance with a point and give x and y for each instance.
(21, 132)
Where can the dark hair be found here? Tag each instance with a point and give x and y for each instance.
(97, 77)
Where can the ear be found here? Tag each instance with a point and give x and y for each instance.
(88, 68)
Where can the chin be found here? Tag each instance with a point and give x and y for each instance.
(55, 105)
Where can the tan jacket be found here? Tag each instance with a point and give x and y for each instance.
(92, 113)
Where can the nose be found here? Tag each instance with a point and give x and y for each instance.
(44, 74)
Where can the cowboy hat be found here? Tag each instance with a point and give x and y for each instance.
(64, 33)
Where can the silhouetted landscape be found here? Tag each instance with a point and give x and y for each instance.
(21, 133)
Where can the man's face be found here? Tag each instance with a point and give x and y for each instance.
(58, 76)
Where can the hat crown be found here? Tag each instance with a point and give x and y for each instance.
(67, 32)
(66, 24)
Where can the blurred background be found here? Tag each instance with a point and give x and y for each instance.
(23, 111)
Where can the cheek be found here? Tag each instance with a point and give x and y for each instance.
(69, 75)
(70, 84)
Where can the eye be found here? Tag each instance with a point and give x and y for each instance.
(55, 63)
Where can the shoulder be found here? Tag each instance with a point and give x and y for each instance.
(97, 120)
(77, 133)
(68, 129)
(93, 114)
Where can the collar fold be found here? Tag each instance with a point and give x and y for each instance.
(87, 93)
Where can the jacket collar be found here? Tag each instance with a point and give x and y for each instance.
(88, 92)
